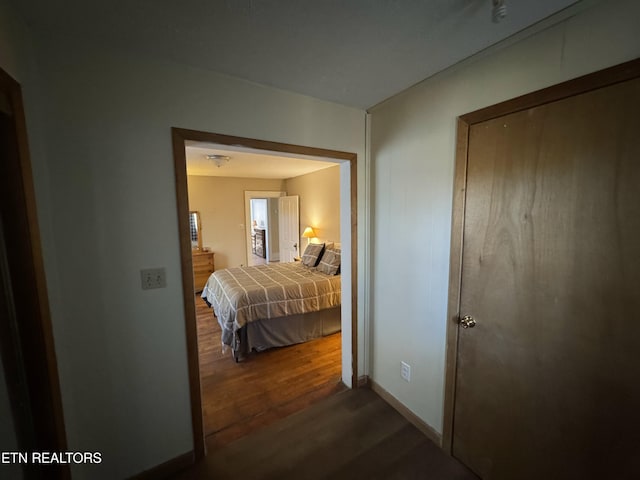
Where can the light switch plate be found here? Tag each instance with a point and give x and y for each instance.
(153, 278)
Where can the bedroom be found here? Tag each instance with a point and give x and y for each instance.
(220, 189)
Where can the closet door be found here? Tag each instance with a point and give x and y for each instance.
(548, 378)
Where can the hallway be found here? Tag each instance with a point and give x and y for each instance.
(351, 435)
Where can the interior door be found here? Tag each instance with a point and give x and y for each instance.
(548, 379)
(289, 228)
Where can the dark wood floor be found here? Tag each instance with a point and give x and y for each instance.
(351, 435)
(239, 398)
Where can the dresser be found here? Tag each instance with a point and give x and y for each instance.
(202, 269)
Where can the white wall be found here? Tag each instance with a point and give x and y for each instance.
(259, 212)
(413, 138)
(220, 201)
(15, 44)
(107, 118)
(17, 58)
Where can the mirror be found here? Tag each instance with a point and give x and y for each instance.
(195, 229)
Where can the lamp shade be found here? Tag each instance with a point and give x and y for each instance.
(308, 233)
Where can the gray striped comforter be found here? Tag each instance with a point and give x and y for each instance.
(244, 294)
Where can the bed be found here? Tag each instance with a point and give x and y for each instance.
(277, 304)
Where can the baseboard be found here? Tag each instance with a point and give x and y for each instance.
(431, 434)
(363, 381)
(166, 469)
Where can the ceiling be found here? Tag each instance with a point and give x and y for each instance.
(247, 163)
(355, 52)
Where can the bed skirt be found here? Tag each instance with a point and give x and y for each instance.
(282, 331)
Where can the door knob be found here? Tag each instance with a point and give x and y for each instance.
(467, 321)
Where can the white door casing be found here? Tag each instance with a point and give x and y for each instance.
(248, 195)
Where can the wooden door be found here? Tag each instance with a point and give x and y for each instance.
(548, 381)
(289, 228)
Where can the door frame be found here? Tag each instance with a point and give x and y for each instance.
(35, 335)
(179, 136)
(603, 78)
(252, 195)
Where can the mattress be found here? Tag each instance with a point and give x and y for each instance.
(243, 295)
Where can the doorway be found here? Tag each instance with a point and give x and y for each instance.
(260, 231)
(30, 399)
(268, 220)
(349, 248)
(543, 326)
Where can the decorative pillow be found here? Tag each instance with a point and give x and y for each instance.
(330, 262)
(312, 254)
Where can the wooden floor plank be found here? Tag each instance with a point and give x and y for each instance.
(283, 414)
(238, 398)
(351, 435)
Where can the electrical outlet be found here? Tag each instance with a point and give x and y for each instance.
(153, 278)
(405, 371)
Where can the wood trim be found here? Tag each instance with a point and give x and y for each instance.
(570, 88)
(179, 136)
(603, 78)
(168, 468)
(397, 405)
(40, 362)
(186, 262)
(455, 277)
(231, 140)
(354, 270)
(364, 381)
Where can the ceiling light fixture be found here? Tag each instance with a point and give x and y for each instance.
(219, 160)
(499, 11)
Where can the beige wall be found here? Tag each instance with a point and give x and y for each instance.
(220, 201)
(412, 163)
(105, 186)
(319, 194)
